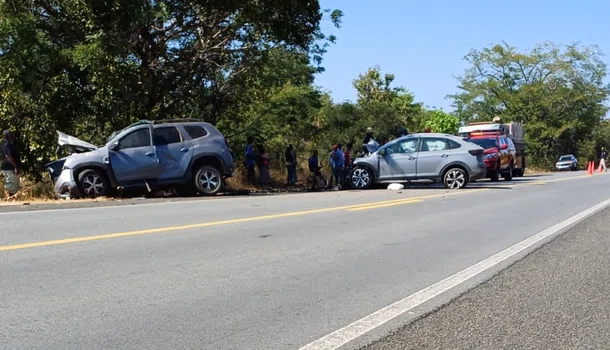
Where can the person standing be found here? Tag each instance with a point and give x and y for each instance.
(11, 165)
(250, 160)
(291, 165)
(263, 166)
(314, 168)
(338, 164)
(369, 144)
(602, 160)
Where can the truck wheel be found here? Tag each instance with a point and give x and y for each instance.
(93, 183)
(208, 180)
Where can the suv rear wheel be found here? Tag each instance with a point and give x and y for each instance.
(455, 178)
(208, 180)
(93, 183)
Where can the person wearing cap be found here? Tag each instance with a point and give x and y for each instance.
(402, 132)
(11, 164)
(369, 145)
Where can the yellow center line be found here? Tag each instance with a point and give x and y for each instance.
(386, 205)
(226, 222)
(168, 229)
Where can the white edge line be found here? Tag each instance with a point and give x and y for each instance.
(368, 323)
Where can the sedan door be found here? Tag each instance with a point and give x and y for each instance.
(399, 161)
(434, 154)
(133, 157)
(173, 151)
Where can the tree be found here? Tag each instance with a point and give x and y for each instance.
(441, 122)
(384, 107)
(91, 67)
(558, 92)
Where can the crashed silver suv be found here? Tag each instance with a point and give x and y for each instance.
(146, 155)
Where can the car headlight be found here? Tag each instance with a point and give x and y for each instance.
(490, 156)
(65, 167)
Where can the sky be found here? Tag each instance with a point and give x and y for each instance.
(423, 43)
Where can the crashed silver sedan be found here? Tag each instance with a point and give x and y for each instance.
(146, 156)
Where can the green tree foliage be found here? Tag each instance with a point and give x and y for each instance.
(557, 92)
(90, 67)
(441, 122)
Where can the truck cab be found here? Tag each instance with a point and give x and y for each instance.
(499, 153)
(504, 147)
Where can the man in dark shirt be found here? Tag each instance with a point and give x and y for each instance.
(11, 164)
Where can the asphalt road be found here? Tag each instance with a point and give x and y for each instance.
(556, 298)
(273, 272)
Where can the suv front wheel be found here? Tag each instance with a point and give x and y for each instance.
(208, 180)
(93, 183)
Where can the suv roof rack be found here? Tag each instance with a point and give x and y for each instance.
(185, 120)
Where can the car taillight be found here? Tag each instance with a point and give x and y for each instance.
(476, 152)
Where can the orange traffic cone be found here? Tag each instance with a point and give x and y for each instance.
(590, 169)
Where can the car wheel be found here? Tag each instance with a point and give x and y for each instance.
(361, 178)
(455, 178)
(509, 175)
(93, 183)
(208, 180)
(494, 176)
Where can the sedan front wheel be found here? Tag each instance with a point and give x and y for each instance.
(361, 178)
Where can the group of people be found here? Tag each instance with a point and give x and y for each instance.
(340, 163)
(258, 157)
(340, 159)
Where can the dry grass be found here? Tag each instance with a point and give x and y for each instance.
(43, 191)
(534, 171)
(278, 179)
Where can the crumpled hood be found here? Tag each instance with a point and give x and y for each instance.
(67, 140)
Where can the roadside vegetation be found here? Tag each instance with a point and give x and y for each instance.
(88, 68)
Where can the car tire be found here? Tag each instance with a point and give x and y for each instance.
(494, 176)
(208, 180)
(455, 178)
(361, 178)
(93, 183)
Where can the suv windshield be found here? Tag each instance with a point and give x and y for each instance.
(565, 158)
(485, 143)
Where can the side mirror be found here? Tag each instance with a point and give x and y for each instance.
(115, 146)
(382, 152)
(504, 146)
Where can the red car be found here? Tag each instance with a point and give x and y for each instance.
(500, 154)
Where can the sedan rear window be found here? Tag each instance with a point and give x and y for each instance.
(195, 131)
